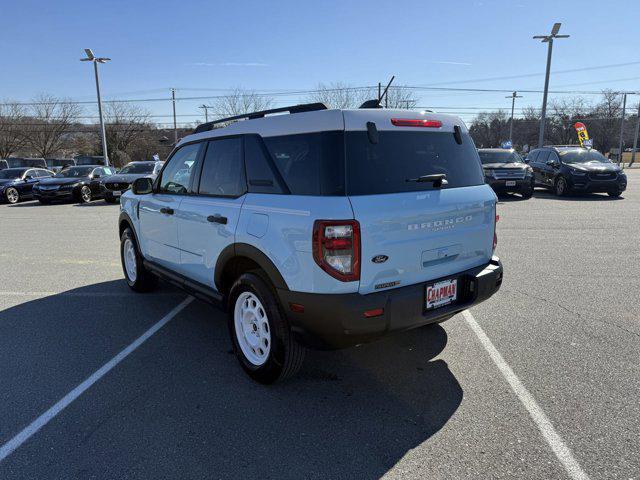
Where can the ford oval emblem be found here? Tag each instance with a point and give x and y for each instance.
(379, 259)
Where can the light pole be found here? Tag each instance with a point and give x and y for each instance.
(513, 97)
(96, 60)
(175, 125)
(547, 39)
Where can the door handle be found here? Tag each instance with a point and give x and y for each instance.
(167, 211)
(217, 218)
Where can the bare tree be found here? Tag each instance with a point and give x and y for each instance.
(400, 97)
(12, 119)
(241, 101)
(125, 123)
(341, 95)
(51, 120)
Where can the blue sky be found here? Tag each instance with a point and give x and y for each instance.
(201, 46)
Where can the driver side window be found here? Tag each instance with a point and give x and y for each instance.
(176, 177)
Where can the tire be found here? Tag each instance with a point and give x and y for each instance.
(11, 195)
(84, 194)
(615, 193)
(136, 275)
(527, 193)
(260, 333)
(110, 199)
(561, 187)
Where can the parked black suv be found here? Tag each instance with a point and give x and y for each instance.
(506, 171)
(574, 169)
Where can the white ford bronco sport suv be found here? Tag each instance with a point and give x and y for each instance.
(317, 227)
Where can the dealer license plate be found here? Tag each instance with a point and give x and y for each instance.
(510, 183)
(116, 193)
(441, 293)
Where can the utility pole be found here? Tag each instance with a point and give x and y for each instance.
(96, 60)
(206, 113)
(547, 39)
(621, 143)
(379, 92)
(513, 97)
(635, 137)
(175, 125)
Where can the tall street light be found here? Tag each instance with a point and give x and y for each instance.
(96, 60)
(547, 39)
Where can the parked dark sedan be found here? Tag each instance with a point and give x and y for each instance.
(79, 183)
(506, 171)
(115, 185)
(575, 169)
(17, 183)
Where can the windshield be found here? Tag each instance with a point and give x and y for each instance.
(496, 156)
(11, 173)
(74, 172)
(387, 166)
(582, 155)
(138, 168)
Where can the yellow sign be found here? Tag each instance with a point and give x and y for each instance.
(583, 136)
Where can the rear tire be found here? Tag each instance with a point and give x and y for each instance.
(136, 275)
(260, 333)
(561, 187)
(11, 195)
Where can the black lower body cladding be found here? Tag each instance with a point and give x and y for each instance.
(337, 321)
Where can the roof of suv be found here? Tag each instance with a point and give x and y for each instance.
(327, 120)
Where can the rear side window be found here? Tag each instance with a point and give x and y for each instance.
(386, 166)
(223, 169)
(543, 156)
(260, 174)
(310, 163)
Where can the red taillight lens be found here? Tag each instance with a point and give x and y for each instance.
(416, 122)
(495, 235)
(336, 248)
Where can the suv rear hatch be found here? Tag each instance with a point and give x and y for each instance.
(413, 230)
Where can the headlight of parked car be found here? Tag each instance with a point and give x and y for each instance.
(69, 186)
(488, 173)
(529, 169)
(578, 173)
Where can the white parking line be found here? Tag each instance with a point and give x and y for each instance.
(561, 450)
(9, 447)
(79, 294)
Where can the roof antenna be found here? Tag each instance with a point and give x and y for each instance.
(375, 103)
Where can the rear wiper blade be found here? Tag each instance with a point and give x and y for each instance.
(438, 179)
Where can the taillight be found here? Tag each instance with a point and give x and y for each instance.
(336, 248)
(416, 122)
(495, 235)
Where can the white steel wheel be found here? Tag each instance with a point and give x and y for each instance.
(130, 265)
(252, 328)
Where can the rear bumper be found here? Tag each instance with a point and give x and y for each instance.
(337, 321)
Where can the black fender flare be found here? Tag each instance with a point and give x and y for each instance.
(124, 217)
(252, 253)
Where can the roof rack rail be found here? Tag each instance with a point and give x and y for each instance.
(305, 107)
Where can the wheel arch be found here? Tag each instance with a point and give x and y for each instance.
(240, 257)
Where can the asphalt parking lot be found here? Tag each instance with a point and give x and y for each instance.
(541, 381)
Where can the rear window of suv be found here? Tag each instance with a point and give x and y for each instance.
(386, 166)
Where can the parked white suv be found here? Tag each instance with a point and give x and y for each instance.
(323, 228)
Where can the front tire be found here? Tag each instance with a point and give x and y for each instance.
(136, 275)
(527, 193)
(561, 187)
(260, 333)
(11, 195)
(84, 194)
(110, 199)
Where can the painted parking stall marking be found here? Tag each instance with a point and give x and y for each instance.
(24, 435)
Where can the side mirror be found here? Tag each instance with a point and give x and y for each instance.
(27, 177)
(526, 160)
(97, 175)
(142, 186)
(552, 163)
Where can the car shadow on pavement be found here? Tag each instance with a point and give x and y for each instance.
(510, 197)
(181, 407)
(582, 197)
(26, 203)
(94, 203)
